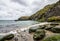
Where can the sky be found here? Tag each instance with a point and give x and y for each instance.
(13, 9)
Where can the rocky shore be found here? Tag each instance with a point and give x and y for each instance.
(40, 33)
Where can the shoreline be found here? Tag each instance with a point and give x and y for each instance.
(22, 35)
(22, 29)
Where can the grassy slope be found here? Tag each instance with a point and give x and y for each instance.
(39, 16)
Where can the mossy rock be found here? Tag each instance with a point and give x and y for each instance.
(32, 30)
(52, 38)
(7, 37)
(39, 34)
(56, 29)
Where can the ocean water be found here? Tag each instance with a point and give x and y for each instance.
(9, 25)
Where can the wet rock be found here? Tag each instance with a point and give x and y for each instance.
(33, 29)
(39, 34)
(7, 37)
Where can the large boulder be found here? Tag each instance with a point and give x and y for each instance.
(32, 30)
(39, 34)
(7, 37)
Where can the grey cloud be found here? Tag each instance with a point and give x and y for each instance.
(20, 2)
(10, 10)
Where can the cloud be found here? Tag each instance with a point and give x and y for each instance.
(13, 9)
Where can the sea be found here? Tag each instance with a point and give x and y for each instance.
(9, 25)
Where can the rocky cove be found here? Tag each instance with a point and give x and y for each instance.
(47, 28)
(33, 33)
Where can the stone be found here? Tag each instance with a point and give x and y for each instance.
(7, 37)
(39, 34)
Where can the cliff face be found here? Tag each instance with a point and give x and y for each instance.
(47, 12)
(55, 11)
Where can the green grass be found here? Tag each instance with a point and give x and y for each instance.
(41, 12)
(53, 38)
(41, 20)
(54, 18)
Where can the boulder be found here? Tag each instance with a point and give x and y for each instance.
(39, 34)
(32, 30)
(55, 29)
(7, 37)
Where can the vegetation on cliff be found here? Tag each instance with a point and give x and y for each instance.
(41, 12)
(48, 13)
(54, 18)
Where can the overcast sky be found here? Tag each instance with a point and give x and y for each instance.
(13, 9)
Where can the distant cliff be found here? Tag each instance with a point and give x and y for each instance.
(24, 18)
(48, 13)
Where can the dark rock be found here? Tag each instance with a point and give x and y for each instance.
(56, 29)
(33, 29)
(7, 37)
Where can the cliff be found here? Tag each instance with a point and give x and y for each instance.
(24, 18)
(47, 13)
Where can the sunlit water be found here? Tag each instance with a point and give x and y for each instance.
(6, 26)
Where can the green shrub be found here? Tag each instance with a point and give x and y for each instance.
(54, 18)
